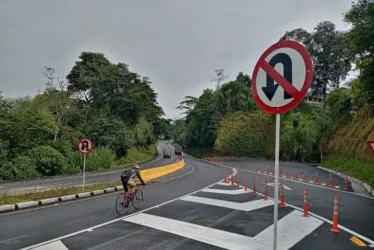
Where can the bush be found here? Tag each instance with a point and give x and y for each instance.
(24, 168)
(100, 158)
(245, 134)
(6, 171)
(71, 155)
(48, 160)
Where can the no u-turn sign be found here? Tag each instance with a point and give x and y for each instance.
(282, 77)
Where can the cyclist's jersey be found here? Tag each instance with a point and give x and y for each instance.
(130, 174)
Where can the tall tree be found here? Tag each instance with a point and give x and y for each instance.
(331, 58)
(232, 96)
(244, 78)
(361, 36)
(219, 78)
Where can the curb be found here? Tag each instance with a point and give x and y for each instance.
(53, 200)
(7, 208)
(48, 201)
(367, 187)
(27, 204)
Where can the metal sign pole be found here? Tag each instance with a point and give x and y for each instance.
(276, 178)
(84, 169)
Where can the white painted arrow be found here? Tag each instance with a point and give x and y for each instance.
(284, 186)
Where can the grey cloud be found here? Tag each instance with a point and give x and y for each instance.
(178, 44)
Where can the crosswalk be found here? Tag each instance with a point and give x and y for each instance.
(218, 217)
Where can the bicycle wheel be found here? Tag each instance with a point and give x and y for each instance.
(137, 198)
(120, 204)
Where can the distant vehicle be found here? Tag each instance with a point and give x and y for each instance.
(178, 150)
(167, 153)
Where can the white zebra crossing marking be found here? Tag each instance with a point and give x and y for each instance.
(245, 206)
(207, 235)
(232, 192)
(291, 229)
(56, 245)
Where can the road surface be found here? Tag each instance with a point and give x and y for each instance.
(196, 211)
(26, 186)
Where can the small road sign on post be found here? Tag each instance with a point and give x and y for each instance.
(85, 146)
(371, 146)
(277, 93)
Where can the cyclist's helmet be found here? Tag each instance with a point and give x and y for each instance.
(135, 166)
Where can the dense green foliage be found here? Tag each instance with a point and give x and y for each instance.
(105, 101)
(335, 130)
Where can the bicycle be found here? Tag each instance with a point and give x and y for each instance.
(136, 193)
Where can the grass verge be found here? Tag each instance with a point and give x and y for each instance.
(352, 167)
(12, 199)
(135, 155)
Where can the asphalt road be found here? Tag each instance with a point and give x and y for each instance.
(22, 229)
(181, 214)
(59, 181)
(355, 211)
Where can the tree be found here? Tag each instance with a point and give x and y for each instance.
(232, 96)
(114, 90)
(246, 79)
(220, 77)
(57, 98)
(329, 50)
(361, 37)
(188, 104)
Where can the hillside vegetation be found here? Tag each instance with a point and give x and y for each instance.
(113, 106)
(226, 121)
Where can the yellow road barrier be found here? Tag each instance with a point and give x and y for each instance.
(154, 173)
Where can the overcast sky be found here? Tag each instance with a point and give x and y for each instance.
(178, 44)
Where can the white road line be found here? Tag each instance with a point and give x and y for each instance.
(291, 229)
(112, 221)
(223, 184)
(207, 235)
(273, 184)
(246, 206)
(57, 245)
(300, 182)
(232, 192)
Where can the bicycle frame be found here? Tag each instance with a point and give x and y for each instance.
(130, 193)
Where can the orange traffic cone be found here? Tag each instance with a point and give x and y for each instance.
(282, 205)
(335, 228)
(266, 191)
(254, 186)
(330, 179)
(346, 183)
(305, 203)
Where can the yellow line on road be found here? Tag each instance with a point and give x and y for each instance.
(358, 242)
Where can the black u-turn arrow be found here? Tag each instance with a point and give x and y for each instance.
(271, 88)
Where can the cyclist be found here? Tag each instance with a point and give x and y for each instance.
(127, 177)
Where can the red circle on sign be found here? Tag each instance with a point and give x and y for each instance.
(299, 96)
(370, 145)
(90, 147)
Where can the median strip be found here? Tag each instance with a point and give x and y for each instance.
(10, 203)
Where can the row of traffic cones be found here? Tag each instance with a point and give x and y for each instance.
(289, 175)
(215, 160)
(282, 204)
